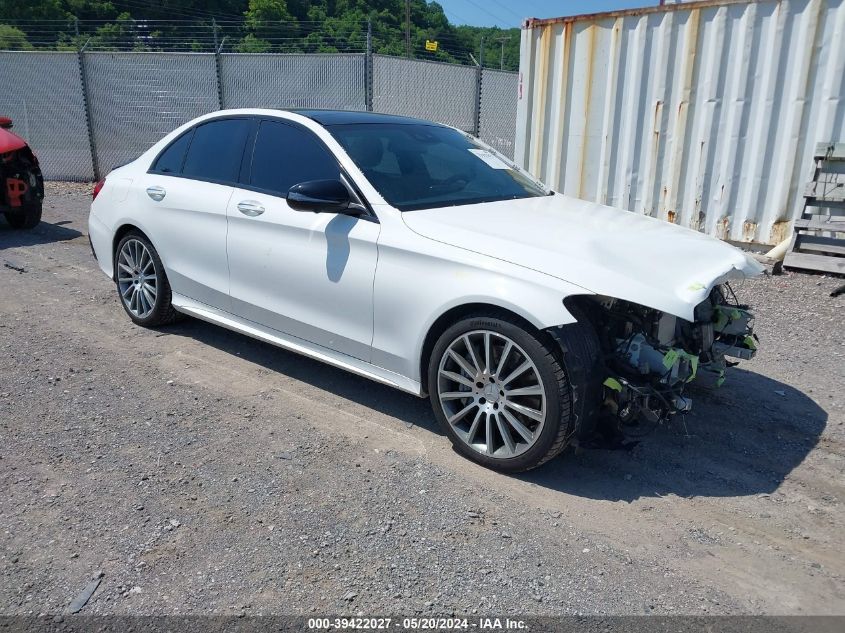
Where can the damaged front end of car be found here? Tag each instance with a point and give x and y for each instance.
(650, 357)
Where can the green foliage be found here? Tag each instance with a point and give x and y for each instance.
(269, 20)
(12, 39)
(112, 35)
(251, 44)
(281, 26)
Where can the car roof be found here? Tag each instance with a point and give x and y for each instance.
(351, 117)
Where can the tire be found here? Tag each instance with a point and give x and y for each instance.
(142, 285)
(27, 218)
(498, 392)
(585, 370)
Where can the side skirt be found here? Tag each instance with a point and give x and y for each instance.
(293, 344)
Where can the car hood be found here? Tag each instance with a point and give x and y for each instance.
(604, 250)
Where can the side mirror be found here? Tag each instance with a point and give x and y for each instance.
(5, 122)
(322, 196)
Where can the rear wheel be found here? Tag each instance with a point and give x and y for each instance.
(142, 283)
(27, 217)
(500, 393)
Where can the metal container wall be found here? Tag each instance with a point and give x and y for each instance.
(705, 114)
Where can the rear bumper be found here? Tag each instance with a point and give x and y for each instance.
(100, 238)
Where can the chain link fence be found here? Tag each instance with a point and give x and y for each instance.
(42, 94)
(294, 81)
(86, 113)
(427, 90)
(497, 116)
(136, 98)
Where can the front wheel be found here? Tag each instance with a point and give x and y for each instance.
(500, 393)
(27, 217)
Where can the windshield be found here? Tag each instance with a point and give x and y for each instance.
(418, 166)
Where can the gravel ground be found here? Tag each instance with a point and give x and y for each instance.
(203, 472)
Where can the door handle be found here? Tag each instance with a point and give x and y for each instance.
(156, 193)
(250, 208)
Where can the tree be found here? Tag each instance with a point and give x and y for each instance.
(251, 44)
(269, 21)
(35, 10)
(13, 39)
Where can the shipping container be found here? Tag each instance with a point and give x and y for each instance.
(705, 114)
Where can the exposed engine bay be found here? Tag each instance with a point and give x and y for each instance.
(651, 357)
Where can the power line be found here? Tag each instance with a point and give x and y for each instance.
(140, 4)
(508, 9)
(456, 17)
(497, 18)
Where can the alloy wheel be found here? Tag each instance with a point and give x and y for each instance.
(491, 394)
(136, 278)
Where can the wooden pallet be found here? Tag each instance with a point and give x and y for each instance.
(818, 239)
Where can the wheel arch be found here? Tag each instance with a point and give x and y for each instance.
(455, 313)
(121, 231)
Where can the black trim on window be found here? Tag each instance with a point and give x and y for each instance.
(152, 170)
(245, 171)
(231, 183)
(249, 148)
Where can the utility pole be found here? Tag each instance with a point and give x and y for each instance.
(502, 58)
(481, 52)
(408, 28)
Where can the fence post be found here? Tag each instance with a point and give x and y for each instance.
(86, 102)
(476, 114)
(368, 69)
(479, 71)
(218, 67)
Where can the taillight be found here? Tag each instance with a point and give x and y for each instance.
(97, 188)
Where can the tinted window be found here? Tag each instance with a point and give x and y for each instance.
(418, 166)
(285, 155)
(216, 150)
(170, 160)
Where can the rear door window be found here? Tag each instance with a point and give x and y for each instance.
(286, 155)
(171, 159)
(216, 150)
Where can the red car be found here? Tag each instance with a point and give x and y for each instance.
(21, 182)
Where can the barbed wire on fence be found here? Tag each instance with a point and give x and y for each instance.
(232, 34)
(191, 35)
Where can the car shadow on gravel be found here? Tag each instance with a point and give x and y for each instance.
(44, 233)
(743, 439)
(387, 400)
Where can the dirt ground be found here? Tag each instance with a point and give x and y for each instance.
(204, 472)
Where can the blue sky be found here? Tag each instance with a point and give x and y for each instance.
(507, 13)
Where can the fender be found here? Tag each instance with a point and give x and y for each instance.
(445, 278)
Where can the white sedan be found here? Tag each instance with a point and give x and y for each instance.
(413, 254)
